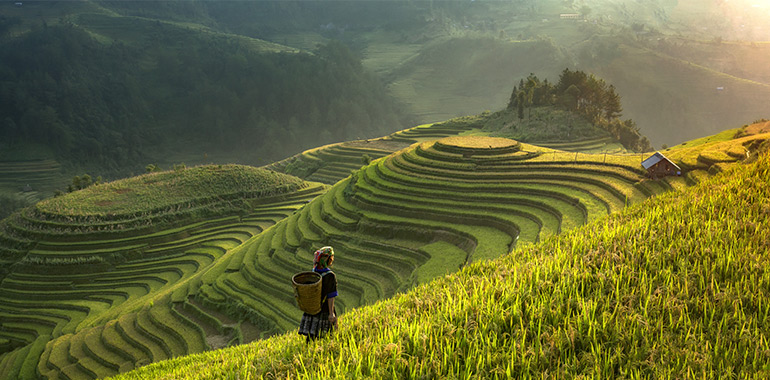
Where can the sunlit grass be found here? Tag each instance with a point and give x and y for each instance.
(675, 287)
(149, 192)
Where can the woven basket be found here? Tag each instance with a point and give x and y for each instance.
(307, 291)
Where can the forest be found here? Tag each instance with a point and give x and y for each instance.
(114, 104)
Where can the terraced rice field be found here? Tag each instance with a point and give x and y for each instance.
(29, 181)
(596, 145)
(435, 131)
(332, 163)
(88, 297)
(339, 161)
(421, 213)
(35, 173)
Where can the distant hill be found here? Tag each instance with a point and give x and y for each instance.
(456, 58)
(110, 93)
(201, 81)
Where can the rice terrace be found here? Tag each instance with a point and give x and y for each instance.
(127, 273)
(553, 236)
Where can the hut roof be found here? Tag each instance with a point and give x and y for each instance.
(655, 158)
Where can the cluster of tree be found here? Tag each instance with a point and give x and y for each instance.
(583, 94)
(79, 183)
(10, 203)
(117, 104)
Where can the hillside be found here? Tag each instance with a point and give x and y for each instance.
(106, 88)
(100, 92)
(334, 162)
(537, 206)
(171, 89)
(676, 286)
(97, 260)
(456, 58)
(119, 275)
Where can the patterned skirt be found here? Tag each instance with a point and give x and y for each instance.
(315, 325)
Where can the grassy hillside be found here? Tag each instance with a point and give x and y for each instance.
(669, 86)
(162, 190)
(123, 274)
(427, 210)
(673, 287)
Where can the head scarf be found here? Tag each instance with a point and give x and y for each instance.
(322, 257)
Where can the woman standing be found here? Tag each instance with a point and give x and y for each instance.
(318, 325)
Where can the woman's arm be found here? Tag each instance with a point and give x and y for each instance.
(332, 316)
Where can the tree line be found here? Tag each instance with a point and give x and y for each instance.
(585, 95)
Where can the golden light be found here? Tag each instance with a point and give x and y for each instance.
(748, 18)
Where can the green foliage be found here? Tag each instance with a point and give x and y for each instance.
(98, 103)
(10, 203)
(82, 182)
(585, 95)
(624, 296)
(545, 124)
(350, 186)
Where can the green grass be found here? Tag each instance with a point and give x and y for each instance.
(674, 287)
(154, 191)
(399, 222)
(331, 163)
(113, 341)
(565, 201)
(725, 135)
(419, 199)
(445, 258)
(128, 329)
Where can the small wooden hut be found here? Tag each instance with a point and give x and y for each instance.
(659, 165)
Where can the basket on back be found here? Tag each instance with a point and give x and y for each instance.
(307, 291)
